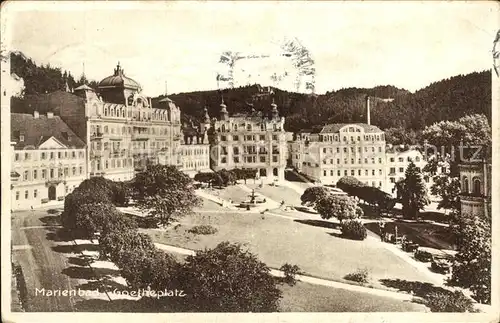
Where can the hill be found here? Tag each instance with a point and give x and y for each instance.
(448, 99)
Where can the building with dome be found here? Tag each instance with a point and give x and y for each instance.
(122, 131)
(254, 140)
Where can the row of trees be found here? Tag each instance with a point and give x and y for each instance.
(225, 177)
(226, 278)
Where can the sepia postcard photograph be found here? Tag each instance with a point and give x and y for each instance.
(267, 161)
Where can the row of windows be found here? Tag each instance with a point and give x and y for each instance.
(120, 113)
(332, 138)
(95, 130)
(196, 163)
(114, 163)
(194, 152)
(248, 127)
(249, 137)
(401, 159)
(250, 150)
(61, 172)
(249, 159)
(476, 185)
(353, 172)
(352, 150)
(36, 195)
(353, 161)
(49, 155)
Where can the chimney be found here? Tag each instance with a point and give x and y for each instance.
(368, 109)
(50, 115)
(36, 114)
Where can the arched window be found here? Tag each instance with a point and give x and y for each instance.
(123, 113)
(105, 112)
(249, 127)
(223, 128)
(465, 185)
(476, 186)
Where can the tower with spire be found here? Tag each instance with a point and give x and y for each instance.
(274, 110)
(224, 115)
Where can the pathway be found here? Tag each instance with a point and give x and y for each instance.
(310, 279)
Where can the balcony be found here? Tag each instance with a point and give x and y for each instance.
(95, 153)
(96, 135)
(140, 136)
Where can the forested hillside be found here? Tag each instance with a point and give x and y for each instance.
(448, 99)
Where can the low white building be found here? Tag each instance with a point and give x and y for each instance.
(48, 160)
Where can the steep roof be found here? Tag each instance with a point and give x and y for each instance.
(38, 130)
(335, 127)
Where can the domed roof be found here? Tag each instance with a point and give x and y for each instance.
(119, 80)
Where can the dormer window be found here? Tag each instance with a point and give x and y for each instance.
(21, 138)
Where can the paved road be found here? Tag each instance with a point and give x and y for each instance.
(32, 244)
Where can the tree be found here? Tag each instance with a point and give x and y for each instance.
(91, 217)
(227, 177)
(472, 264)
(165, 192)
(313, 194)
(114, 243)
(412, 192)
(339, 206)
(143, 268)
(350, 185)
(401, 136)
(448, 188)
(228, 279)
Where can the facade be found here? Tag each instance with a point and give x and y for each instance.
(253, 140)
(48, 160)
(121, 130)
(339, 150)
(475, 181)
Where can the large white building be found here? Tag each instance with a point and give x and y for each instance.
(255, 140)
(48, 160)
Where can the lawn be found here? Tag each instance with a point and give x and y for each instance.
(278, 193)
(305, 297)
(313, 245)
(232, 192)
(423, 233)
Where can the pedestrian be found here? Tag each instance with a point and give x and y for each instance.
(381, 226)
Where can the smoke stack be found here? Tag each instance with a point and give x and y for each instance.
(368, 109)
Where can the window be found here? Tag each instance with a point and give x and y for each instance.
(373, 160)
(17, 195)
(401, 169)
(379, 149)
(380, 160)
(345, 149)
(26, 193)
(43, 155)
(331, 161)
(338, 161)
(392, 159)
(338, 173)
(359, 160)
(366, 172)
(366, 160)
(222, 138)
(476, 186)
(17, 157)
(236, 150)
(59, 155)
(324, 173)
(275, 159)
(275, 137)
(236, 159)
(44, 173)
(51, 155)
(25, 175)
(352, 172)
(338, 150)
(35, 193)
(345, 172)
(73, 154)
(392, 170)
(366, 149)
(26, 156)
(417, 159)
(262, 137)
(359, 172)
(380, 172)
(236, 138)
(223, 160)
(324, 161)
(262, 159)
(331, 172)
(324, 150)
(373, 172)
(401, 159)
(393, 180)
(73, 171)
(373, 149)
(352, 160)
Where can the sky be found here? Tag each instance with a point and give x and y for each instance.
(175, 47)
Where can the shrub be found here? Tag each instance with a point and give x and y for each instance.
(60, 198)
(228, 279)
(45, 200)
(423, 256)
(353, 230)
(449, 302)
(290, 271)
(360, 276)
(203, 229)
